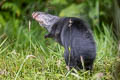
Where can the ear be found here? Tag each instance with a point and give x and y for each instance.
(59, 25)
(57, 32)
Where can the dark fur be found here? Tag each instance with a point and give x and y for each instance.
(77, 40)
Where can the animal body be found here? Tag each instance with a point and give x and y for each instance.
(74, 35)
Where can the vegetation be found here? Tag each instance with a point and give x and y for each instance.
(26, 55)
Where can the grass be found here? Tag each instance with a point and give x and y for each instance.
(26, 55)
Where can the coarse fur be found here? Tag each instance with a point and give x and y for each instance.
(77, 39)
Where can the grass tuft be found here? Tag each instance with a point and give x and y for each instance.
(21, 44)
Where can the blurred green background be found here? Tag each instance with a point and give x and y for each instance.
(15, 15)
(26, 55)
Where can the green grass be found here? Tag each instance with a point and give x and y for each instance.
(27, 55)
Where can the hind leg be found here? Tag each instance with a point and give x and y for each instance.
(70, 61)
(66, 60)
(89, 64)
(89, 68)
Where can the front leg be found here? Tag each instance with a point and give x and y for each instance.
(49, 35)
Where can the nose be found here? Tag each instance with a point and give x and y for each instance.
(34, 15)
